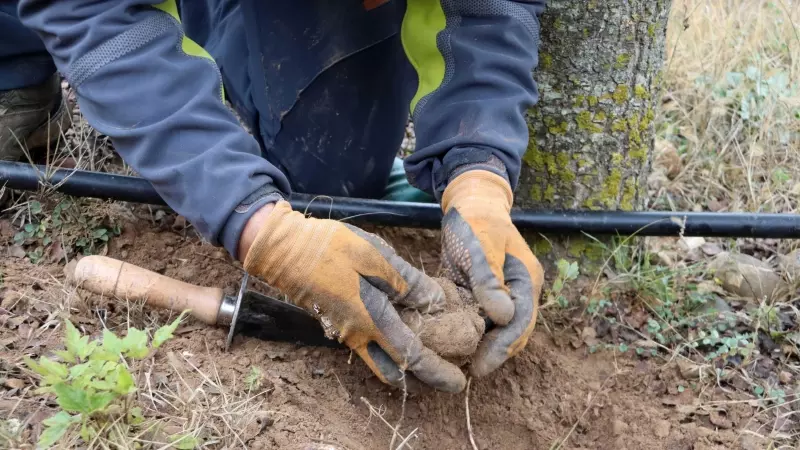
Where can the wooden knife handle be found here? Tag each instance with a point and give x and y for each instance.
(111, 277)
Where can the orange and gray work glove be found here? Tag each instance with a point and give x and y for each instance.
(483, 251)
(349, 279)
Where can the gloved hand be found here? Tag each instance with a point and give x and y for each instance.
(348, 279)
(483, 251)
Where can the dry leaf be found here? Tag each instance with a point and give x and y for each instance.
(16, 251)
(14, 383)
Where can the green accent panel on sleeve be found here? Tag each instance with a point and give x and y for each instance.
(422, 23)
(189, 46)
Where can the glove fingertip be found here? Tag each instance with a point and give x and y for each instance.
(486, 360)
(438, 373)
(381, 364)
(497, 305)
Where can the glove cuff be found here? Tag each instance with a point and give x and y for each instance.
(478, 185)
(287, 249)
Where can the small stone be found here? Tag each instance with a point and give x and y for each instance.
(619, 427)
(746, 276)
(662, 428)
(785, 377)
(159, 215)
(318, 372)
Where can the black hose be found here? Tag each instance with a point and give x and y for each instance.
(80, 183)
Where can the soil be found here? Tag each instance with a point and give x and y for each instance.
(553, 392)
(454, 332)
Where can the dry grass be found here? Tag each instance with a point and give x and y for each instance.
(732, 105)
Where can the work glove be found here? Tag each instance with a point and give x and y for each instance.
(349, 279)
(483, 251)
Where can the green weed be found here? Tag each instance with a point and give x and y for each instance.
(93, 384)
(567, 272)
(64, 226)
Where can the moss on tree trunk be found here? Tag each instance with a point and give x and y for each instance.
(592, 131)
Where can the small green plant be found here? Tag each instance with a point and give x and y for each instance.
(566, 272)
(64, 226)
(253, 379)
(92, 381)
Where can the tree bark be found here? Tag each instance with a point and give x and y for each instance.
(599, 79)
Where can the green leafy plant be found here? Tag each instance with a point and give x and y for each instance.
(92, 381)
(64, 226)
(566, 272)
(756, 94)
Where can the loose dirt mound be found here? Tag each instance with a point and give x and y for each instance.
(550, 393)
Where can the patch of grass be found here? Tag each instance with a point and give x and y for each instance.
(732, 105)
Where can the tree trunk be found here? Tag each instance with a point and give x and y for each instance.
(592, 132)
(599, 77)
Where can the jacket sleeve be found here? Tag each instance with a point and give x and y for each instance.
(159, 97)
(474, 62)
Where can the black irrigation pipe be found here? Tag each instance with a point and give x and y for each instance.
(23, 176)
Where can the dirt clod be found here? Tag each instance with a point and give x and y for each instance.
(454, 333)
(619, 428)
(661, 428)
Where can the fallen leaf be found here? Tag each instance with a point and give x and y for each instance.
(645, 343)
(10, 299)
(16, 251)
(69, 271)
(25, 331)
(746, 276)
(7, 342)
(179, 224)
(711, 249)
(56, 252)
(667, 157)
(715, 205)
(690, 370)
(589, 336)
(15, 322)
(720, 419)
(692, 242)
(14, 383)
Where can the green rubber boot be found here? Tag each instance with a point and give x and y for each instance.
(400, 190)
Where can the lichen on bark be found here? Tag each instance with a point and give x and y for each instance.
(592, 130)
